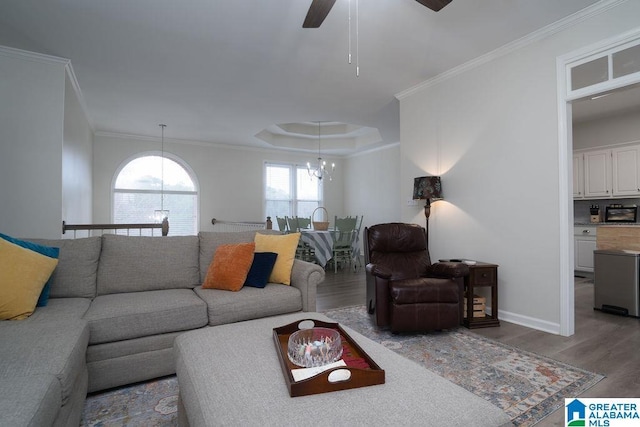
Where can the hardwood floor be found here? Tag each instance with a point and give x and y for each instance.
(602, 343)
(342, 289)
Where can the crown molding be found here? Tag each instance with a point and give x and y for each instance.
(515, 45)
(50, 59)
(145, 138)
(76, 88)
(372, 150)
(32, 56)
(157, 139)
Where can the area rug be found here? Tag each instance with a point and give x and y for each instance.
(526, 386)
(150, 404)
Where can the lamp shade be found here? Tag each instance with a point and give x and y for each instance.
(427, 187)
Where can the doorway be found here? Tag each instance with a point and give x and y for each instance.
(585, 73)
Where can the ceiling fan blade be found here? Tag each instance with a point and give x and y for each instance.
(434, 5)
(318, 11)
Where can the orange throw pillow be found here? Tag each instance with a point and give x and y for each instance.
(230, 266)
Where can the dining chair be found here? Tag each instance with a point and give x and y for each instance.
(295, 224)
(344, 235)
(304, 223)
(282, 224)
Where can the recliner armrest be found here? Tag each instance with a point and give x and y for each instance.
(448, 269)
(379, 271)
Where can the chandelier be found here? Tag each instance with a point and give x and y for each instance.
(320, 171)
(161, 214)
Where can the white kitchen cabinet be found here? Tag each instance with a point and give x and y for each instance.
(597, 174)
(625, 162)
(584, 245)
(606, 173)
(578, 175)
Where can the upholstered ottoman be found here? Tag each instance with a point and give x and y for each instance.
(230, 375)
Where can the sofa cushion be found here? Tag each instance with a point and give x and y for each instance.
(49, 251)
(261, 269)
(32, 400)
(285, 246)
(23, 273)
(61, 309)
(124, 362)
(124, 316)
(230, 266)
(75, 275)
(122, 349)
(209, 242)
(140, 263)
(249, 303)
(54, 345)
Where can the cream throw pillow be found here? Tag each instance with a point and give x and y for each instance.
(285, 246)
(23, 273)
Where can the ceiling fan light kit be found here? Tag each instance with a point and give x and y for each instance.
(319, 10)
(434, 5)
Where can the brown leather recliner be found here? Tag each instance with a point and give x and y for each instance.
(404, 290)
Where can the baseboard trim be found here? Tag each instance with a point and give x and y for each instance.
(530, 322)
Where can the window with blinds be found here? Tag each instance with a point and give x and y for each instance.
(290, 191)
(140, 190)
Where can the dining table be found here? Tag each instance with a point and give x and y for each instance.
(321, 241)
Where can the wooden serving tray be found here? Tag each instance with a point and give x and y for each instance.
(362, 369)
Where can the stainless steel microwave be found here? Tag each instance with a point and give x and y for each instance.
(621, 214)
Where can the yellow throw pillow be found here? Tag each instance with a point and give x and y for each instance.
(285, 246)
(23, 273)
(230, 266)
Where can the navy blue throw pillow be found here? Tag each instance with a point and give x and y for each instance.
(261, 268)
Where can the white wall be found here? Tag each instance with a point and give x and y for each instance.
(617, 129)
(31, 135)
(491, 132)
(371, 185)
(77, 159)
(230, 179)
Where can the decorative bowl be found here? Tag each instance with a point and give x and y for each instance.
(313, 347)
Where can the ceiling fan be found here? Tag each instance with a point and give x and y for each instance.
(319, 10)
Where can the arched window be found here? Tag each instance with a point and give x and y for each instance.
(139, 193)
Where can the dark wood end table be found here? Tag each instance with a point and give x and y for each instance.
(481, 275)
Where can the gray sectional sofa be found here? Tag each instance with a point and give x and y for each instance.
(116, 305)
